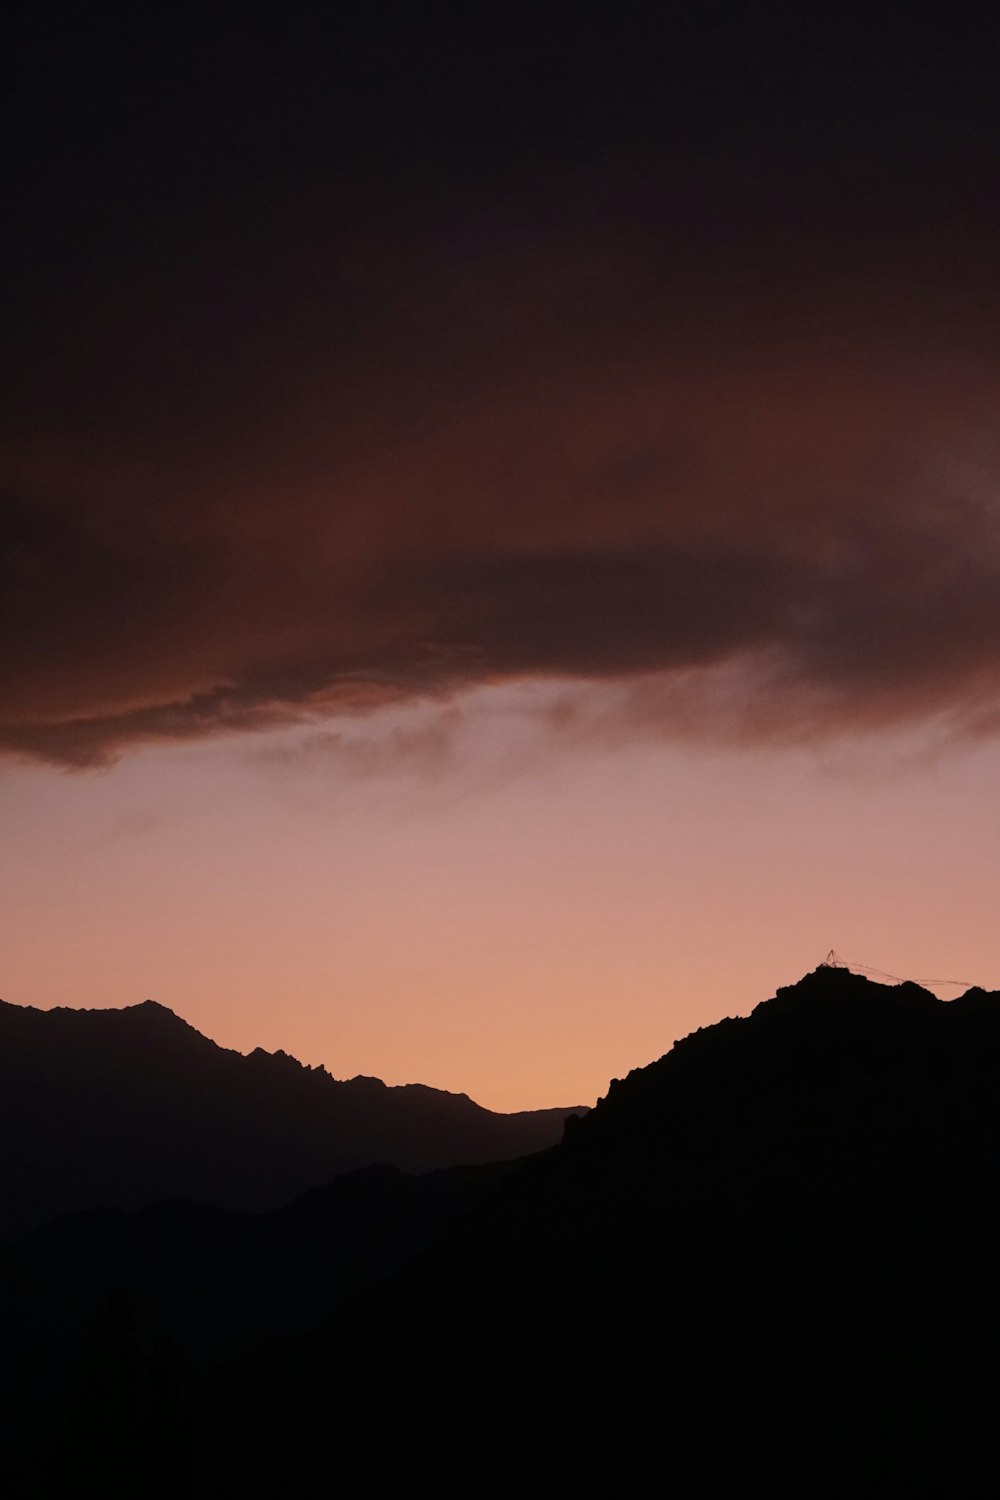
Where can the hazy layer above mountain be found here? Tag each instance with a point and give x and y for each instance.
(116, 1108)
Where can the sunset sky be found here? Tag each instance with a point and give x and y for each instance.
(500, 540)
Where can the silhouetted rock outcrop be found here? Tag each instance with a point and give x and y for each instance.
(116, 1108)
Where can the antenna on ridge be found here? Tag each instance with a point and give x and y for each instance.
(833, 961)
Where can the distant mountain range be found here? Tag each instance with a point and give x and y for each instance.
(765, 1264)
(117, 1108)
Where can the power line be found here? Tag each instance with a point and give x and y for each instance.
(834, 961)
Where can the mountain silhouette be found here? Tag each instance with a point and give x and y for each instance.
(765, 1263)
(117, 1108)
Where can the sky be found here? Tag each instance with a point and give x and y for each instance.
(499, 523)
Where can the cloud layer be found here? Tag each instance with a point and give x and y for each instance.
(702, 407)
(838, 550)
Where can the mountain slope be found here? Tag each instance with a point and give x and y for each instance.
(116, 1108)
(176, 1286)
(766, 1261)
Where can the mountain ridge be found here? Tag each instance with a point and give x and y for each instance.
(144, 1009)
(119, 1107)
(764, 1262)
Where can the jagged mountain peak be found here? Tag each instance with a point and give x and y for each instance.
(149, 1007)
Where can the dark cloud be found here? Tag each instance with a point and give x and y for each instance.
(362, 355)
(860, 620)
(604, 613)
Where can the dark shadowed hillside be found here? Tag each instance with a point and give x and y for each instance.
(173, 1287)
(116, 1108)
(766, 1262)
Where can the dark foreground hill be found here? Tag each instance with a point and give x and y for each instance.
(116, 1108)
(131, 1309)
(765, 1264)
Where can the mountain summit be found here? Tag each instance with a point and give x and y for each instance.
(765, 1264)
(116, 1108)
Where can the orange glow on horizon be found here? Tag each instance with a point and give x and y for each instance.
(523, 944)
